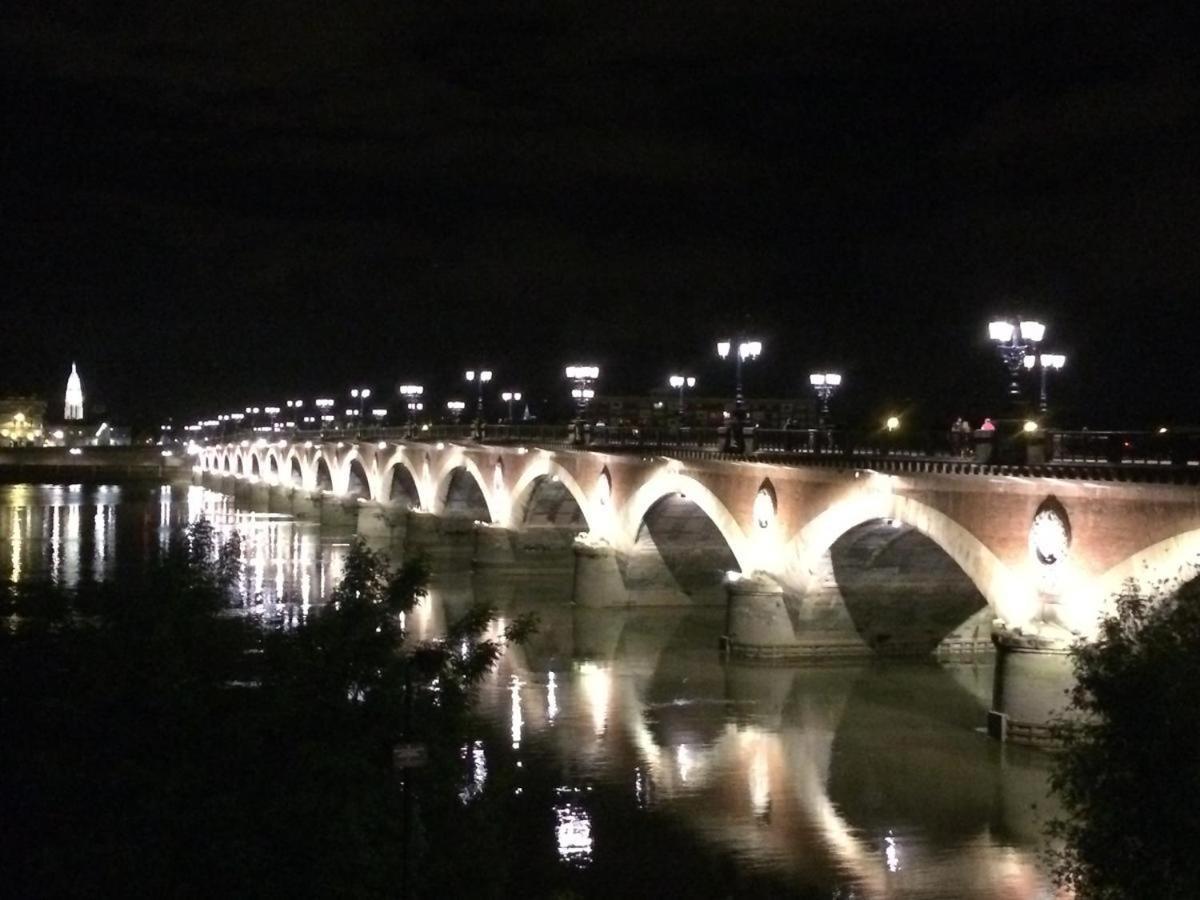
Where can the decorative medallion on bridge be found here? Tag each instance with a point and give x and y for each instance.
(603, 487)
(1050, 533)
(764, 505)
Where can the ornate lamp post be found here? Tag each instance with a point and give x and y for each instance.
(734, 439)
(1044, 361)
(511, 397)
(324, 404)
(361, 394)
(456, 408)
(379, 414)
(410, 393)
(1014, 339)
(582, 377)
(682, 383)
(480, 378)
(824, 383)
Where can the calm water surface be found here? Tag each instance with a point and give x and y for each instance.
(638, 763)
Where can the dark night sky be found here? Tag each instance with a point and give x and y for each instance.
(214, 204)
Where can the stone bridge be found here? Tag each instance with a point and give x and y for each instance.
(812, 561)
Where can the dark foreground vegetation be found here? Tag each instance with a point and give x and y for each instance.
(157, 743)
(1129, 777)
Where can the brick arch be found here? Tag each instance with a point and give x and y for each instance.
(391, 470)
(1155, 571)
(1009, 596)
(538, 469)
(664, 483)
(455, 463)
(293, 460)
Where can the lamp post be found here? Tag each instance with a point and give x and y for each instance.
(734, 439)
(410, 393)
(824, 383)
(361, 394)
(456, 408)
(379, 414)
(480, 378)
(272, 412)
(1043, 362)
(324, 404)
(511, 397)
(682, 383)
(1014, 339)
(582, 377)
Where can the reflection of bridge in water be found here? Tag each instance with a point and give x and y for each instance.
(846, 773)
(812, 561)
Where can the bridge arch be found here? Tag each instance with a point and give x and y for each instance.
(399, 484)
(546, 491)
(463, 491)
(255, 466)
(358, 482)
(241, 465)
(1155, 571)
(323, 475)
(1010, 597)
(669, 483)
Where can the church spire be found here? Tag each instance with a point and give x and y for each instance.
(73, 408)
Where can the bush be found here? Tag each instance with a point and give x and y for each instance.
(1129, 776)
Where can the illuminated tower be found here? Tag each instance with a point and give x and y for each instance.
(73, 410)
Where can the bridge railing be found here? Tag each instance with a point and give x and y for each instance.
(1049, 448)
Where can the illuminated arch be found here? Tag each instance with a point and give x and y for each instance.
(668, 482)
(445, 478)
(1009, 596)
(298, 469)
(399, 472)
(323, 474)
(1155, 571)
(538, 469)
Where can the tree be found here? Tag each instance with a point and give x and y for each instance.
(1129, 774)
(158, 743)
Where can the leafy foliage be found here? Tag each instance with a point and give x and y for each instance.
(158, 743)
(1129, 776)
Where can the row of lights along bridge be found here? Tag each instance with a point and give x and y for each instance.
(1018, 341)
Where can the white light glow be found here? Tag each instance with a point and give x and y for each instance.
(1032, 330)
(1001, 331)
(723, 349)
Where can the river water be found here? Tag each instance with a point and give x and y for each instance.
(639, 762)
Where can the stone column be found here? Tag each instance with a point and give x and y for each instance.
(306, 504)
(422, 533)
(598, 581)
(1033, 674)
(381, 523)
(280, 499)
(757, 623)
(493, 546)
(339, 513)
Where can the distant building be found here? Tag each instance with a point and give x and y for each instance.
(21, 421)
(73, 407)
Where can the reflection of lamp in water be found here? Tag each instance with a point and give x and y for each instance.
(551, 697)
(514, 690)
(597, 685)
(760, 790)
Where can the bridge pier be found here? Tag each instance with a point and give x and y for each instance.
(338, 513)
(380, 523)
(765, 622)
(1033, 675)
(306, 504)
(494, 546)
(598, 581)
(279, 500)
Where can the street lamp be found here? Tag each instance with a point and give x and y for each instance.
(824, 383)
(480, 378)
(1014, 339)
(510, 397)
(379, 414)
(410, 393)
(745, 350)
(456, 408)
(324, 404)
(361, 394)
(682, 382)
(1044, 361)
(583, 392)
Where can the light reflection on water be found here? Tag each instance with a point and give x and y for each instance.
(870, 781)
